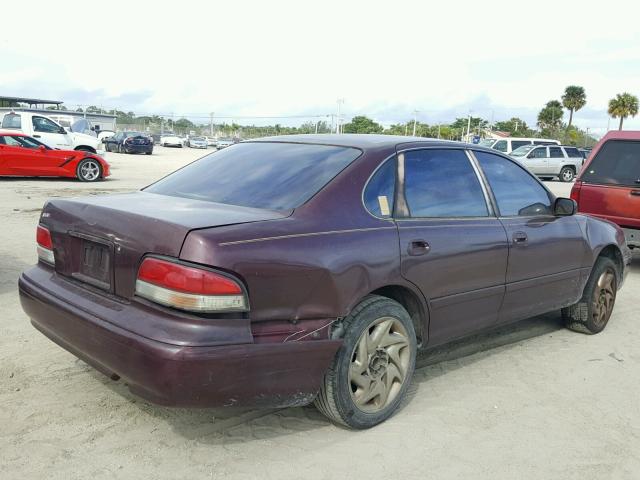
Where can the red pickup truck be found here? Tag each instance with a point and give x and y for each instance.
(609, 184)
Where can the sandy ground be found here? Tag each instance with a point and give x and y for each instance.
(529, 401)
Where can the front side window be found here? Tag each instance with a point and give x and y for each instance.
(379, 192)
(555, 152)
(540, 152)
(277, 176)
(24, 142)
(441, 184)
(616, 163)
(516, 192)
(44, 125)
(500, 145)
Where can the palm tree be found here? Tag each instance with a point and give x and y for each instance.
(574, 99)
(622, 106)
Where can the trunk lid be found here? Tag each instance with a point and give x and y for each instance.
(100, 240)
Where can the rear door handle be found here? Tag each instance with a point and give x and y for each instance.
(520, 238)
(418, 247)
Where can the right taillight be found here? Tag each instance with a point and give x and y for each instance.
(188, 287)
(45, 245)
(575, 191)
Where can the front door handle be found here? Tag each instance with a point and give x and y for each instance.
(520, 238)
(635, 192)
(418, 247)
(36, 136)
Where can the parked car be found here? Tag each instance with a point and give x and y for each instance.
(223, 143)
(103, 134)
(211, 142)
(609, 184)
(49, 132)
(197, 142)
(508, 145)
(563, 162)
(24, 156)
(171, 140)
(285, 286)
(129, 142)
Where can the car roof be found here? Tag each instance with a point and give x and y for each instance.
(622, 135)
(362, 141)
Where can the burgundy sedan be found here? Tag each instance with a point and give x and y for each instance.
(295, 269)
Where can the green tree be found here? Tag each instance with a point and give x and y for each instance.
(515, 126)
(362, 124)
(476, 122)
(623, 105)
(574, 99)
(550, 117)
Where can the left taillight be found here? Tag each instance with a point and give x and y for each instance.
(188, 287)
(45, 245)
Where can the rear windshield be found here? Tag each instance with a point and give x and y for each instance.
(11, 120)
(277, 176)
(617, 163)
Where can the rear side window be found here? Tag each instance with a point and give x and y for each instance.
(519, 143)
(277, 176)
(573, 152)
(378, 195)
(617, 163)
(515, 190)
(555, 152)
(442, 183)
(12, 120)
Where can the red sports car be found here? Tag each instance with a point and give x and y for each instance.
(21, 155)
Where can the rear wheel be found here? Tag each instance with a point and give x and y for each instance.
(121, 148)
(591, 314)
(89, 170)
(373, 368)
(567, 174)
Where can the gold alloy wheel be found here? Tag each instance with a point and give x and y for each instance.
(604, 296)
(379, 364)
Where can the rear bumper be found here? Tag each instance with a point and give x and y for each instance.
(632, 236)
(138, 148)
(242, 374)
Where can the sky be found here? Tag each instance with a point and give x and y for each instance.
(494, 59)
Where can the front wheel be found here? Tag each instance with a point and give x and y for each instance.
(566, 174)
(373, 368)
(591, 314)
(89, 170)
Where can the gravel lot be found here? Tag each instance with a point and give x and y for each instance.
(529, 401)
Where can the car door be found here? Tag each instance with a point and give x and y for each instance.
(556, 160)
(50, 133)
(24, 156)
(452, 246)
(537, 161)
(545, 251)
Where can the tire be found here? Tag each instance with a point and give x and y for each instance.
(121, 148)
(591, 314)
(89, 170)
(148, 153)
(567, 174)
(369, 376)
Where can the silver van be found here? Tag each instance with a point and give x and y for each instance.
(509, 144)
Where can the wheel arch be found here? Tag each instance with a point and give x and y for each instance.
(613, 252)
(85, 148)
(414, 304)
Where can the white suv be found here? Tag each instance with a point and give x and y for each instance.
(559, 161)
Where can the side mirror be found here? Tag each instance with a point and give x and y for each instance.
(530, 155)
(62, 131)
(564, 207)
(42, 148)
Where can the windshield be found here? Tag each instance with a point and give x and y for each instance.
(522, 151)
(11, 120)
(199, 139)
(487, 142)
(133, 134)
(276, 176)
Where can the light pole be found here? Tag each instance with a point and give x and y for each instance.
(211, 123)
(415, 119)
(340, 101)
(468, 126)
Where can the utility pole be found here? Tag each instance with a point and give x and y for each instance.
(438, 129)
(468, 125)
(517, 124)
(339, 118)
(586, 136)
(211, 123)
(415, 119)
